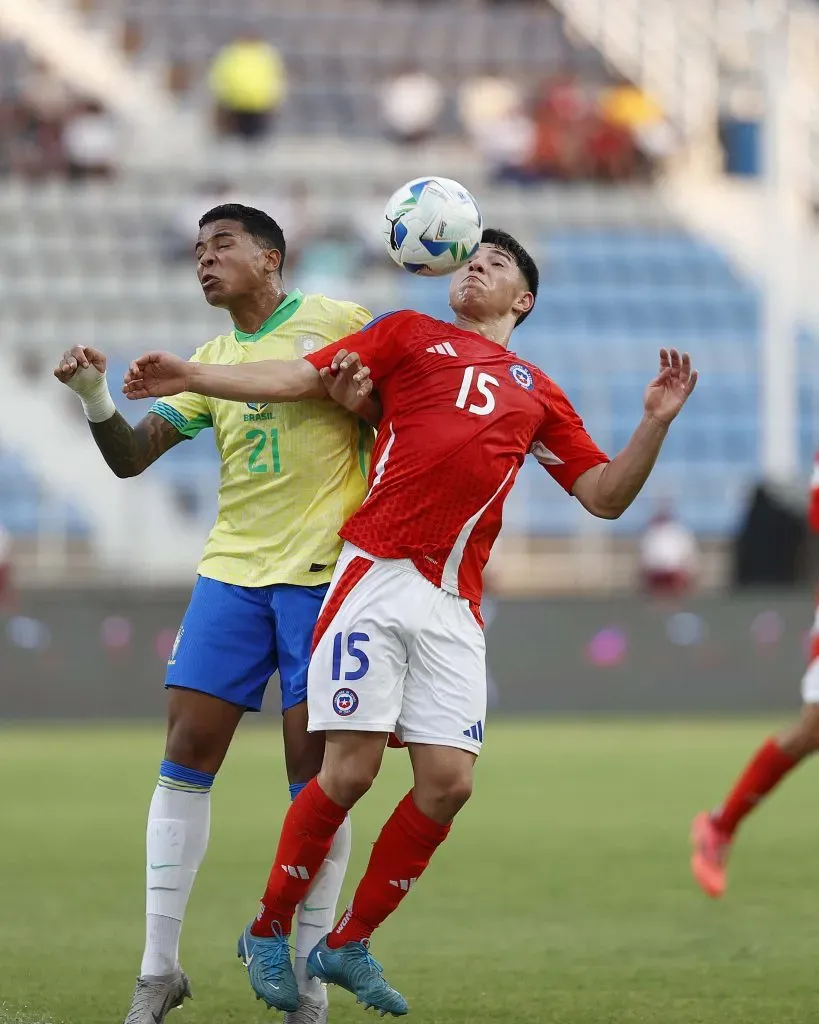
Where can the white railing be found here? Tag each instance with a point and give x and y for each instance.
(684, 52)
(654, 43)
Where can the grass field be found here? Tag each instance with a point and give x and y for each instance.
(563, 896)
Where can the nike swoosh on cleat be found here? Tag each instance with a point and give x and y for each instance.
(162, 1011)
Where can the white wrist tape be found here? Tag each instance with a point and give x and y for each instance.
(92, 389)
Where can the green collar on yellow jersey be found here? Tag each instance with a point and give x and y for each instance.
(280, 314)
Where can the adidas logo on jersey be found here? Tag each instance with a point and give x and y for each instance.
(442, 350)
(404, 884)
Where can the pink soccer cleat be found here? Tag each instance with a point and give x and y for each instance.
(710, 855)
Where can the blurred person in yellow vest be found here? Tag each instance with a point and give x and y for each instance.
(627, 106)
(249, 83)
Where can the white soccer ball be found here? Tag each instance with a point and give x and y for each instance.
(432, 226)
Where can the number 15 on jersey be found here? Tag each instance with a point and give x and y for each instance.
(482, 384)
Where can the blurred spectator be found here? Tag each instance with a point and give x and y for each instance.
(91, 141)
(493, 114)
(561, 121)
(669, 556)
(610, 150)
(249, 84)
(131, 38)
(626, 107)
(411, 104)
(186, 499)
(44, 94)
(484, 100)
(31, 364)
(178, 77)
(5, 568)
(32, 126)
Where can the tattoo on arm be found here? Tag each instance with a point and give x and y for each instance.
(130, 450)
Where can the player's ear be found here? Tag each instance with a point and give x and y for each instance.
(273, 260)
(523, 303)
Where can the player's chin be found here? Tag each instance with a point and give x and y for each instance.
(217, 295)
(469, 302)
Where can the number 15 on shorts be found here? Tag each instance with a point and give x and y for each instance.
(349, 658)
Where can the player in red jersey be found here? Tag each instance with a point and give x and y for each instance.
(398, 646)
(712, 834)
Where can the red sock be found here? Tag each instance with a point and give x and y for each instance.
(399, 857)
(307, 835)
(766, 768)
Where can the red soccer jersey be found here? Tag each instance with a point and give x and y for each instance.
(460, 415)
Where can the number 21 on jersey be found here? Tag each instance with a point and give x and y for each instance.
(263, 456)
(482, 385)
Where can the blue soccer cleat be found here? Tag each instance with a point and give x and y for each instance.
(353, 967)
(270, 970)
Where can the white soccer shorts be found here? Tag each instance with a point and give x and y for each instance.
(394, 653)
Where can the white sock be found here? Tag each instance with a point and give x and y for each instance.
(177, 838)
(314, 924)
(161, 954)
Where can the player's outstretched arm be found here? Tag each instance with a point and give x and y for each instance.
(127, 450)
(159, 374)
(607, 491)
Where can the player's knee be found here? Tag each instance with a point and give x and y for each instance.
(442, 794)
(810, 728)
(192, 747)
(347, 780)
(802, 739)
(457, 792)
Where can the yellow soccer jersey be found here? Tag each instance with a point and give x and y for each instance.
(292, 473)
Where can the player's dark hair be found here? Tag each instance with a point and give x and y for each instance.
(526, 265)
(255, 222)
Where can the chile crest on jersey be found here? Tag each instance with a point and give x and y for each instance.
(522, 376)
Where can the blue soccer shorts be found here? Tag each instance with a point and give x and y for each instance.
(232, 640)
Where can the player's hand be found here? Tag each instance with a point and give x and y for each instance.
(670, 389)
(77, 359)
(346, 380)
(156, 375)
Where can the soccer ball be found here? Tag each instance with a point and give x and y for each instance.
(432, 226)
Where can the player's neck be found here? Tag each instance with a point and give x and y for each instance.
(250, 312)
(498, 331)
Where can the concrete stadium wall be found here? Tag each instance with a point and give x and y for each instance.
(101, 654)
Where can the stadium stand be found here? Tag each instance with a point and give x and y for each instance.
(337, 52)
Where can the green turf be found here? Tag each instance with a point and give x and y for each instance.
(562, 897)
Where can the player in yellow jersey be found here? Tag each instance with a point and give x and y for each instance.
(291, 475)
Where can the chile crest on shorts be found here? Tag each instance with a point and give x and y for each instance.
(345, 701)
